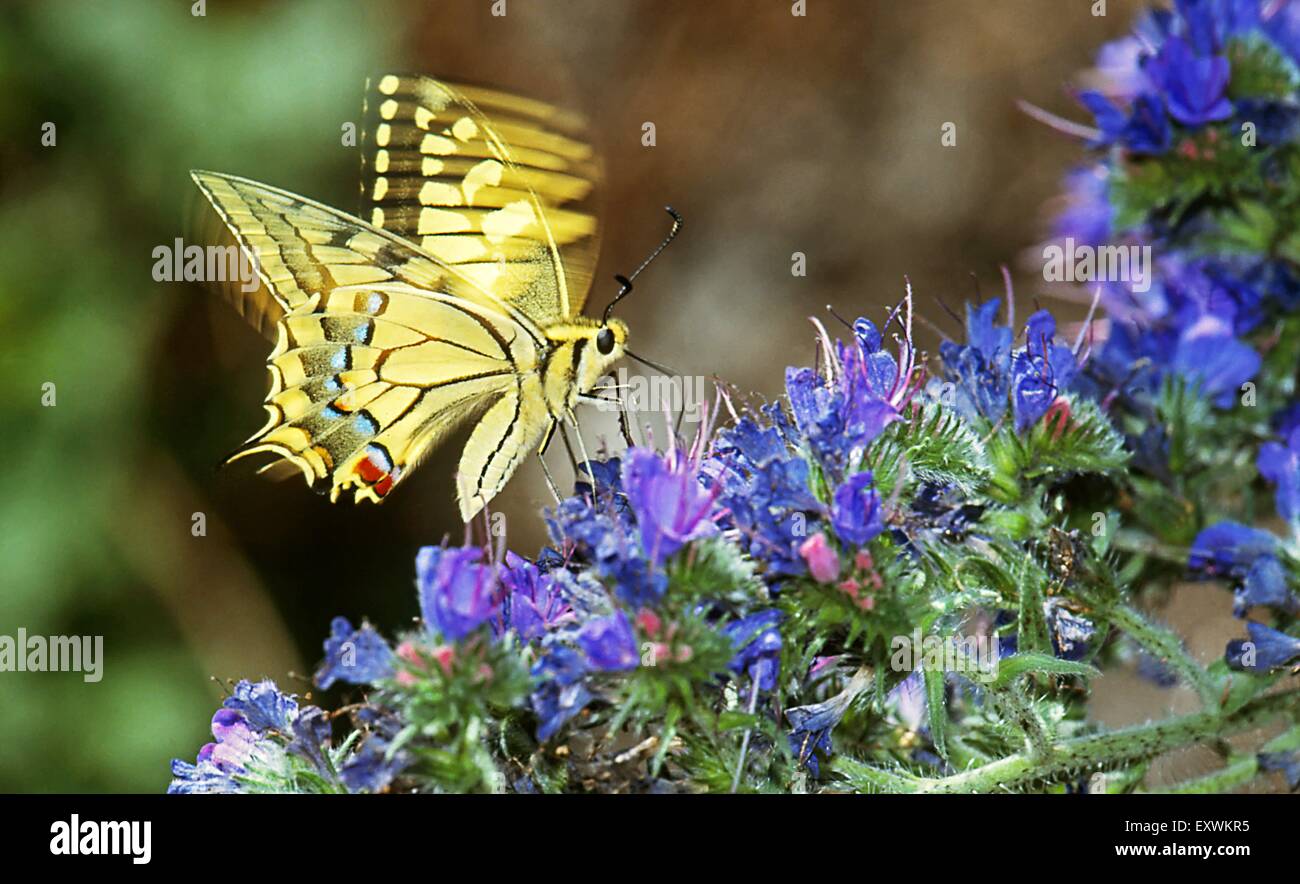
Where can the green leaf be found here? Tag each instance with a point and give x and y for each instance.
(1028, 663)
(936, 705)
(935, 445)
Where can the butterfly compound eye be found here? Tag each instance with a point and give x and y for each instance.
(605, 341)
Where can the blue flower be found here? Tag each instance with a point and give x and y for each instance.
(561, 694)
(1040, 372)
(1209, 356)
(1280, 464)
(1087, 215)
(609, 643)
(311, 736)
(606, 539)
(1267, 649)
(375, 763)
(255, 728)
(980, 369)
(534, 602)
(1229, 548)
(758, 646)
(262, 705)
(855, 509)
(812, 730)
(1284, 29)
(457, 593)
(1193, 85)
(765, 493)
(1265, 585)
(671, 505)
(1143, 130)
(355, 656)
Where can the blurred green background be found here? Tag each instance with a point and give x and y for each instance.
(775, 134)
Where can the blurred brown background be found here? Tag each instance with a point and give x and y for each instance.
(775, 134)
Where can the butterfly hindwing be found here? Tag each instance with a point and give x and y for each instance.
(503, 436)
(489, 183)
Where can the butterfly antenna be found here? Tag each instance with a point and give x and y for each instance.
(626, 281)
(662, 369)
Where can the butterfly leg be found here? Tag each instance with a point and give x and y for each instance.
(604, 403)
(541, 456)
(582, 448)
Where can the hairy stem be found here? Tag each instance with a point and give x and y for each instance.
(1111, 749)
(1235, 773)
(1166, 646)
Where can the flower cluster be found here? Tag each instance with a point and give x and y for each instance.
(904, 575)
(1197, 124)
(1198, 131)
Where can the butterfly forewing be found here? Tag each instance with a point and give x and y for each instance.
(489, 183)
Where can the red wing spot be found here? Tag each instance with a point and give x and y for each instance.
(374, 476)
(369, 471)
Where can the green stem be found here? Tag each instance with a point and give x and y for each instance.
(1115, 748)
(1136, 542)
(1166, 646)
(1236, 773)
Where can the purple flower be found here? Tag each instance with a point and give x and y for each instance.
(758, 646)
(671, 505)
(534, 601)
(855, 509)
(355, 656)
(601, 532)
(256, 727)
(457, 593)
(1266, 649)
(765, 492)
(1194, 86)
(609, 643)
(1280, 464)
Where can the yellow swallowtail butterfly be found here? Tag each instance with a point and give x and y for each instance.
(461, 297)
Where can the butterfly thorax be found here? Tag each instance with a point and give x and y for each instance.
(581, 352)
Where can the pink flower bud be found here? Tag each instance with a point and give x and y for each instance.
(823, 562)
